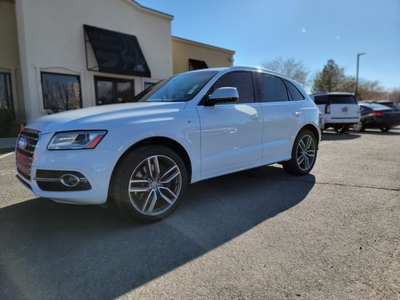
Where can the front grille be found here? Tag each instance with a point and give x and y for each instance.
(26, 144)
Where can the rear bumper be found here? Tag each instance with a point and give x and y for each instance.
(327, 125)
(382, 122)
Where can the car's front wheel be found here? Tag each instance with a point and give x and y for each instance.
(148, 183)
(304, 154)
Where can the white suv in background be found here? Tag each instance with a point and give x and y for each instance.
(340, 110)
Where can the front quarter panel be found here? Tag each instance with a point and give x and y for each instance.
(177, 123)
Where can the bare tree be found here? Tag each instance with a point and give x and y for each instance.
(61, 97)
(289, 67)
(394, 95)
(371, 90)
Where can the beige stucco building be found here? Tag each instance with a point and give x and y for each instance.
(61, 55)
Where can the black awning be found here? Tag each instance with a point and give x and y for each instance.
(197, 64)
(116, 52)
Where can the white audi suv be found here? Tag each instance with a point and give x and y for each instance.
(193, 126)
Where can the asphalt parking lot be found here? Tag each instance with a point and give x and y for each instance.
(258, 234)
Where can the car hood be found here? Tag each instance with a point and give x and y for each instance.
(105, 117)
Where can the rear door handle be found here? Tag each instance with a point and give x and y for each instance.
(297, 114)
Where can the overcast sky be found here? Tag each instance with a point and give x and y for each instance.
(310, 31)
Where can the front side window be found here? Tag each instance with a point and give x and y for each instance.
(242, 81)
(6, 101)
(61, 92)
(113, 90)
(272, 88)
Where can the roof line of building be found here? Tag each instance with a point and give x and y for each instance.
(149, 10)
(202, 44)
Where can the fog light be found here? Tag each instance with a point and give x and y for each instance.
(70, 180)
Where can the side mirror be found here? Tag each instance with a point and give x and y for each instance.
(223, 95)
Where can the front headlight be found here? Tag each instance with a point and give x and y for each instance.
(76, 140)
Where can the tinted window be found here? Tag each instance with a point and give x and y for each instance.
(294, 92)
(272, 88)
(342, 99)
(6, 101)
(113, 90)
(242, 81)
(320, 99)
(61, 92)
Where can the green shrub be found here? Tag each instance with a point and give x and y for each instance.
(6, 119)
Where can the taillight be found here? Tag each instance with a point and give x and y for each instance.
(377, 113)
(328, 109)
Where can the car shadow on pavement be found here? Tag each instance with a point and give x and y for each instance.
(369, 131)
(334, 136)
(57, 251)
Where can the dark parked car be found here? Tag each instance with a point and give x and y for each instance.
(374, 115)
(388, 103)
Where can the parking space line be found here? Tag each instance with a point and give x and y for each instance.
(5, 155)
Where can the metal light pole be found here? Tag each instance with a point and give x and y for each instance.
(358, 62)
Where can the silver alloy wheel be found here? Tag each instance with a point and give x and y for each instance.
(305, 152)
(358, 126)
(155, 185)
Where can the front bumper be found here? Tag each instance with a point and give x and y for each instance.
(67, 176)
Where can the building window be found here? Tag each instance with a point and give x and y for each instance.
(113, 90)
(6, 101)
(61, 92)
(197, 64)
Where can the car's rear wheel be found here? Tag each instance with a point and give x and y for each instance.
(384, 128)
(341, 129)
(304, 154)
(359, 126)
(148, 183)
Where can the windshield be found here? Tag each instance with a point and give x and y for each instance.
(181, 87)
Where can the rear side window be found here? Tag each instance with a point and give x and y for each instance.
(294, 92)
(272, 88)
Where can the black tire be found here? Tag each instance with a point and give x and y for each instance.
(341, 129)
(384, 128)
(148, 183)
(359, 127)
(304, 154)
